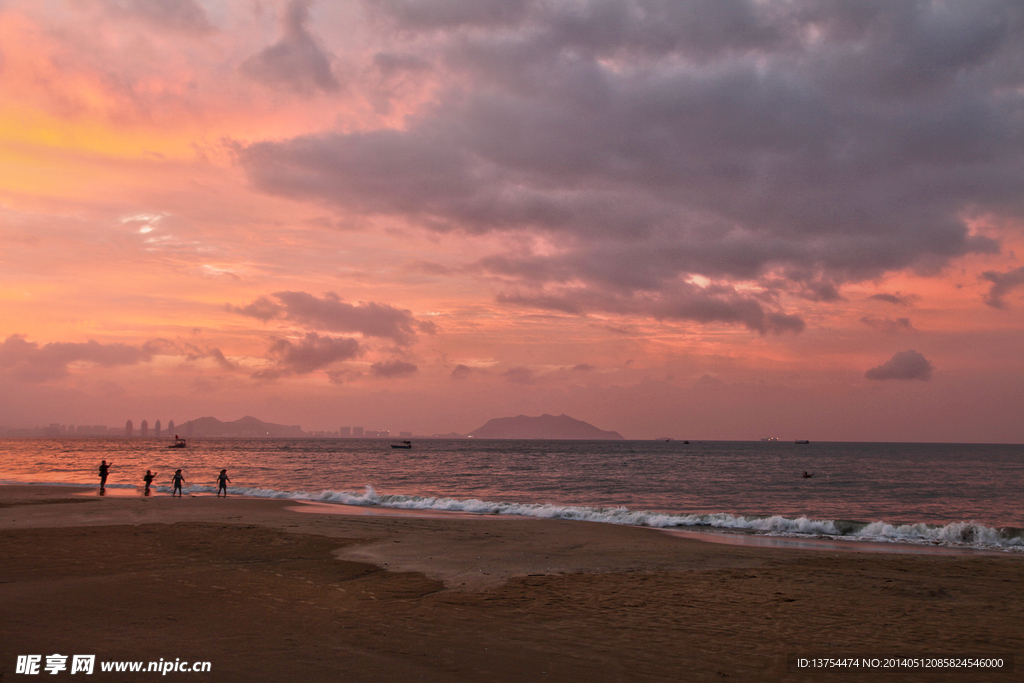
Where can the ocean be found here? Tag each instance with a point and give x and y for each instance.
(955, 495)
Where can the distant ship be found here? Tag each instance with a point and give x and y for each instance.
(802, 441)
(402, 444)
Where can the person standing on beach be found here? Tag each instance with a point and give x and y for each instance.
(222, 483)
(104, 471)
(177, 479)
(148, 479)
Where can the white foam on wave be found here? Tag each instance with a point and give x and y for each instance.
(971, 534)
(956, 534)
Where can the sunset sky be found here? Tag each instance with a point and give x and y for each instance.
(705, 219)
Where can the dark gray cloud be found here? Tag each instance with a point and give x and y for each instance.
(218, 356)
(463, 371)
(393, 368)
(310, 353)
(343, 375)
(296, 62)
(721, 305)
(192, 352)
(708, 383)
(712, 304)
(390, 64)
(888, 325)
(519, 375)
(163, 347)
(332, 314)
(185, 16)
(447, 14)
(27, 361)
(792, 147)
(1002, 283)
(896, 299)
(903, 365)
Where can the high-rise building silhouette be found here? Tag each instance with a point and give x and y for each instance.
(156, 429)
(357, 431)
(129, 429)
(345, 431)
(144, 429)
(170, 428)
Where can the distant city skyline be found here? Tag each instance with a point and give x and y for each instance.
(128, 430)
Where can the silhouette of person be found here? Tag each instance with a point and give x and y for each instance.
(104, 471)
(177, 479)
(222, 483)
(148, 479)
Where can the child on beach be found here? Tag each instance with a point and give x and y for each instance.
(222, 483)
(177, 480)
(148, 479)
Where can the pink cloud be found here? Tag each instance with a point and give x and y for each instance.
(29, 362)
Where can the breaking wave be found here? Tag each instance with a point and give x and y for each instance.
(962, 534)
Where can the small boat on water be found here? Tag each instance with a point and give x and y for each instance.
(802, 441)
(178, 443)
(402, 444)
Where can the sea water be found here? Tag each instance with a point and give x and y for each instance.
(941, 494)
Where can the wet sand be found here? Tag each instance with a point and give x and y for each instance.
(267, 593)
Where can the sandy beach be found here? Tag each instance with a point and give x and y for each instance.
(272, 590)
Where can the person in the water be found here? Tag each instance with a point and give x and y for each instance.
(222, 483)
(177, 479)
(148, 479)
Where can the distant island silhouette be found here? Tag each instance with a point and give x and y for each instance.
(543, 427)
(519, 427)
(244, 427)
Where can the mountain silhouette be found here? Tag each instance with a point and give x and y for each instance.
(543, 427)
(245, 427)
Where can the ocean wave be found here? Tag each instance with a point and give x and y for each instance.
(962, 534)
(956, 534)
